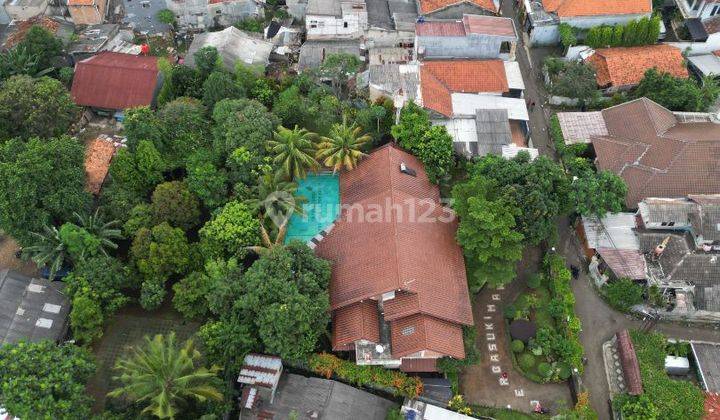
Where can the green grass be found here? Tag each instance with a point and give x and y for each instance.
(503, 413)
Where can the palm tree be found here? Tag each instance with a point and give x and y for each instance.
(294, 151)
(166, 377)
(49, 250)
(342, 147)
(19, 60)
(275, 196)
(267, 243)
(105, 232)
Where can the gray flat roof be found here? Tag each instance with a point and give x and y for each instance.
(707, 356)
(31, 309)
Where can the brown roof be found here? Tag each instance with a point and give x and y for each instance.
(628, 263)
(418, 365)
(712, 25)
(429, 6)
(419, 332)
(386, 251)
(359, 321)
(656, 155)
(469, 24)
(22, 27)
(626, 66)
(113, 80)
(439, 79)
(571, 8)
(629, 362)
(98, 155)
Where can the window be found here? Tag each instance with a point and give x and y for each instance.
(671, 224)
(345, 24)
(663, 224)
(714, 10)
(145, 4)
(408, 330)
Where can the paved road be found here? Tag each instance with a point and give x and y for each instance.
(599, 320)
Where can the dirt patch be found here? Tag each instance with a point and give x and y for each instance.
(8, 248)
(127, 329)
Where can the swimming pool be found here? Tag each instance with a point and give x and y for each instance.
(321, 208)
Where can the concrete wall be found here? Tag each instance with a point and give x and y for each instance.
(457, 11)
(545, 35)
(697, 48)
(25, 12)
(296, 8)
(189, 13)
(4, 17)
(330, 27)
(590, 21)
(474, 46)
(227, 14)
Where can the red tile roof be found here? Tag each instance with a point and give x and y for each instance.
(388, 251)
(419, 332)
(629, 362)
(359, 321)
(712, 406)
(574, 8)
(470, 24)
(626, 66)
(112, 80)
(656, 155)
(418, 365)
(98, 155)
(430, 6)
(440, 79)
(21, 28)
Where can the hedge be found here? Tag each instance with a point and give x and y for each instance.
(327, 365)
(637, 32)
(675, 399)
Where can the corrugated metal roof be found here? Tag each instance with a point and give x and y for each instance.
(580, 127)
(614, 231)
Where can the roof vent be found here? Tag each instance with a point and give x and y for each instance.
(404, 169)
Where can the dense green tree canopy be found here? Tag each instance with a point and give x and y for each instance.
(35, 107)
(242, 123)
(41, 182)
(676, 93)
(45, 381)
(185, 129)
(487, 232)
(41, 42)
(597, 193)
(539, 188)
(173, 203)
(218, 86)
(233, 228)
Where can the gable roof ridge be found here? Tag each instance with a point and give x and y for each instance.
(394, 219)
(649, 102)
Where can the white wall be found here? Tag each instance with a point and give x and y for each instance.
(328, 27)
(590, 21)
(697, 48)
(545, 35)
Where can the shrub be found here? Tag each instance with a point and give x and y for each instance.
(327, 365)
(545, 369)
(517, 346)
(567, 35)
(527, 361)
(535, 281)
(509, 311)
(623, 294)
(564, 371)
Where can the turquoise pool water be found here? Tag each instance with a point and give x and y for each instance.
(321, 208)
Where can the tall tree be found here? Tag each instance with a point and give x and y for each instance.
(229, 232)
(218, 86)
(242, 123)
(595, 194)
(487, 232)
(39, 41)
(293, 151)
(172, 202)
(339, 68)
(207, 60)
(677, 94)
(45, 381)
(165, 378)
(35, 107)
(342, 148)
(41, 182)
(186, 130)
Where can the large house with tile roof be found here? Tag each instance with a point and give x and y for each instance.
(623, 68)
(398, 291)
(657, 152)
(542, 18)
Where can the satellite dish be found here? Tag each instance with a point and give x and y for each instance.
(379, 348)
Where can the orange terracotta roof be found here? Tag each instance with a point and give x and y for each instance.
(359, 321)
(712, 406)
(417, 258)
(22, 27)
(81, 2)
(416, 333)
(429, 6)
(626, 66)
(98, 155)
(439, 79)
(571, 8)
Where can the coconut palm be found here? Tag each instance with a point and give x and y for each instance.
(294, 150)
(165, 377)
(49, 250)
(342, 147)
(106, 232)
(275, 196)
(269, 244)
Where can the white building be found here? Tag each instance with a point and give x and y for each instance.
(335, 19)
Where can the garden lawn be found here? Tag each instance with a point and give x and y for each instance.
(675, 399)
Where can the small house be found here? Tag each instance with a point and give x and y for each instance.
(110, 82)
(234, 46)
(473, 36)
(335, 19)
(31, 309)
(87, 12)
